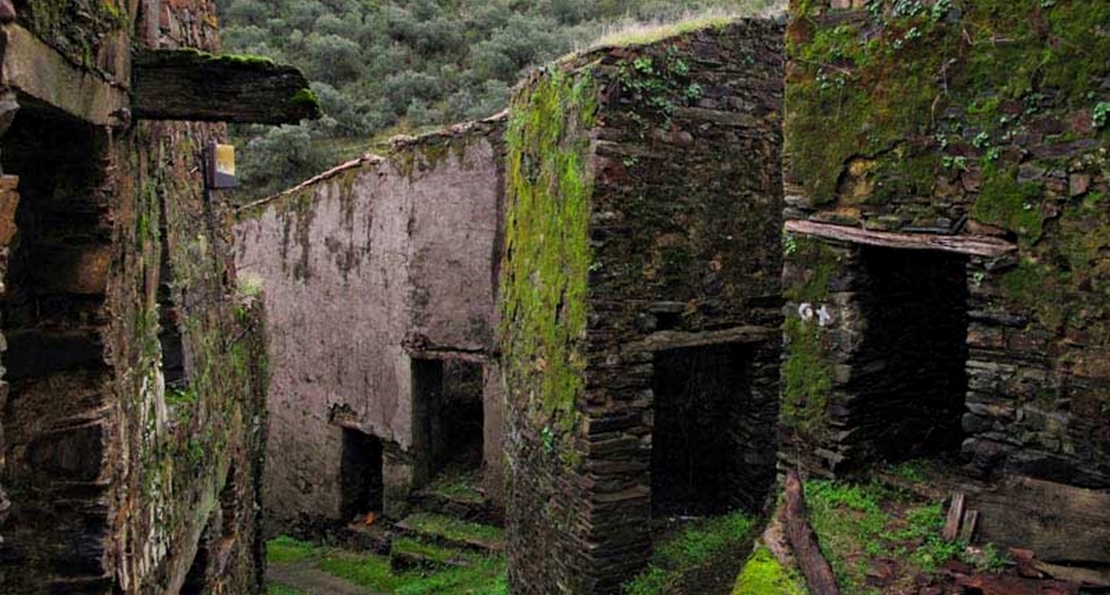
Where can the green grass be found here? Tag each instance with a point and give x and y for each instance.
(287, 549)
(454, 529)
(691, 549)
(433, 552)
(275, 588)
(486, 576)
(763, 575)
(857, 523)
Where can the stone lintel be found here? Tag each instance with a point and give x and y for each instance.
(36, 70)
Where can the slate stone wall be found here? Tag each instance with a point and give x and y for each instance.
(643, 214)
(963, 118)
(118, 483)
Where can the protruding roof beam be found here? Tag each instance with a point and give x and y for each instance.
(186, 84)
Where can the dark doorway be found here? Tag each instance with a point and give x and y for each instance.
(908, 380)
(697, 443)
(360, 475)
(448, 402)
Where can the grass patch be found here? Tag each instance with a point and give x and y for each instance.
(433, 552)
(275, 588)
(632, 32)
(860, 523)
(692, 550)
(763, 575)
(454, 529)
(485, 576)
(285, 549)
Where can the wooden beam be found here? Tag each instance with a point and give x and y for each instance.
(190, 85)
(664, 340)
(960, 244)
(1063, 524)
(815, 568)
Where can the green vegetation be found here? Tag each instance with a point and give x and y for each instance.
(452, 529)
(696, 549)
(858, 523)
(274, 588)
(286, 549)
(401, 66)
(483, 575)
(764, 575)
(544, 281)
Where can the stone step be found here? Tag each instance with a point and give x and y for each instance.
(450, 531)
(408, 553)
(473, 507)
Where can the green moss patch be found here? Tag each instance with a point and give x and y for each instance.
(764, 575)
(544, 280)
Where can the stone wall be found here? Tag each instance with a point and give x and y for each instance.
(118, 483)
(371, 266)
(644, 214)
(978, 127)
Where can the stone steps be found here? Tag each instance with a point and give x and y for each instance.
(449, 531)
(408, 553)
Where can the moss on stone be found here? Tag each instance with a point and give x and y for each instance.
(544, 281)
(764, 575)
(866, 90)
(1005, 202)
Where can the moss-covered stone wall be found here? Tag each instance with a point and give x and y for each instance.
(120, 481)
(966, 118)
(643, 213)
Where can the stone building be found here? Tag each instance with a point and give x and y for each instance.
(380, 279)
(948, 242)
(131, 409)
(640, 298)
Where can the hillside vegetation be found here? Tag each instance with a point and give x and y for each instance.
(382, 67)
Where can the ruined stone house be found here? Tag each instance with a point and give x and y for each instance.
(948, 245)
(380, 278)
(132, 413)
(869, 237)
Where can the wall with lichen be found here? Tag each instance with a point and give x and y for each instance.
(117, 482)
(366, 267)
(643, 214)
(972, 118)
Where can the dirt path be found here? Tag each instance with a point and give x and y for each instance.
(305, 576)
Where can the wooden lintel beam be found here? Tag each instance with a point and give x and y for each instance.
(186, 84)
(665, 340)
(961, 244)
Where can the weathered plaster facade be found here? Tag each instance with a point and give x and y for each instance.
(369, 267)
(117, 277)
(642, 241)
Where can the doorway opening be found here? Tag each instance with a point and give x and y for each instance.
(908, 380)
(448, 401)
(360, 475)
(53, 321)
(698, 440)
